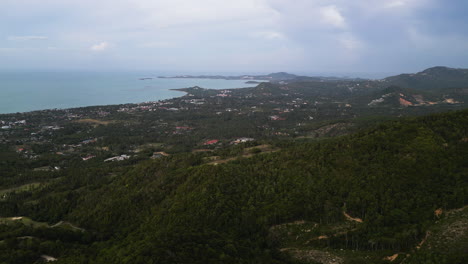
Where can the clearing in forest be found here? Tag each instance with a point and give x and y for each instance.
(94, 121)
(247, 153)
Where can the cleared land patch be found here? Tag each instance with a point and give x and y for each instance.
(94, 121)
(22, 188)
(29, 222)
(246, 153)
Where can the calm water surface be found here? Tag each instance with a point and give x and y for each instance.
(22, 92)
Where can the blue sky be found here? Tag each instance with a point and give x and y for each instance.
(303, 36)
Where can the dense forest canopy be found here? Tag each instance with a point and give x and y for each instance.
(305, 171)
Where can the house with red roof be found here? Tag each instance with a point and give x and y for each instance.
(211, 142)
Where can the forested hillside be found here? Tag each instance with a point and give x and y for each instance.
(366, 196)
(432, 78)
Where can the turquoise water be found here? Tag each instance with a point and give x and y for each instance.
(22, 92)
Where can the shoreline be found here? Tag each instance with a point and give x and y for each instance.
(123, 103)
(89, 106)
(181, 90)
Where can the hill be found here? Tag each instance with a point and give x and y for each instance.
(282, 76)
(356, 199)
(432, 78)
(223, 213)
(395, 96)
(284, 172)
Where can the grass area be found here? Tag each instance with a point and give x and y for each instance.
(341, 256)
(302, 234)
(149, 146)
(67, 225)
(202, 150)
(449, 236)
(94, 121)
(22, 188)
(23, 220)
(246, 153)
(306, 242)
(29, 222)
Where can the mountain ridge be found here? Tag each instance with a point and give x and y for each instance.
(438, 77)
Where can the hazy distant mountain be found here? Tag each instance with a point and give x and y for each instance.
(432, 78)
(273, 77)
(282, 76)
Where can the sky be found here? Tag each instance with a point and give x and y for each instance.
(257, 36)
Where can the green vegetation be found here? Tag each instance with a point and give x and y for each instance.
(178, 210)
(445, 240)
(432, 78)
(280, 173)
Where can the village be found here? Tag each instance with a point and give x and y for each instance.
(65, 151)
(202, 120)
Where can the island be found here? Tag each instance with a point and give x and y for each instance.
(289, 171)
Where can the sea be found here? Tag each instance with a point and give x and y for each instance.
(30, 91)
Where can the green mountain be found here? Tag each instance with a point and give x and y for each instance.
(303, 170)
(353, 199)
(395, 96)
(432, 78)
(282, 76)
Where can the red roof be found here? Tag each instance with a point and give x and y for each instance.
(211, 142)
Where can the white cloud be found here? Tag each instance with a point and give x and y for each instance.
(270, 35)
(325, 30)
(332, 16)
(25, 38)
(161, 14)
(397, 3)
(426, 41)
(408, 4)
(350, 42)
(155, 44)
(100, 47)
(7, 49)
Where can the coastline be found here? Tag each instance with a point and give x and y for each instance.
(48, 92)
(180, 90)
(99, 106)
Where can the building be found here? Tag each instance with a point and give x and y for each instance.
(211, 142)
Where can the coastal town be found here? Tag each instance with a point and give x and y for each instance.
(55, 154)
(234, 132)
(207, 120)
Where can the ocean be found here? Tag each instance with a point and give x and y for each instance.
(29, 91)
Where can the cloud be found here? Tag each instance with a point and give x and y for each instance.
(7, 49)
(397, 3)
(332, 16)
(163, 14)
(100, 47)
(409, 4)
(182, 33)
(350, 42)
(437, 43)
(155, 44)
(25, 38)
(270, 35)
